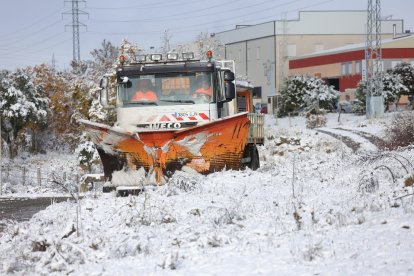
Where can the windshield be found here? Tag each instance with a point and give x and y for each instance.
(166, 89)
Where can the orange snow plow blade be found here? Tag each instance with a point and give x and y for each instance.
(206, 148)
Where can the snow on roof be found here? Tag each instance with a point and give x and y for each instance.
(244, 84)
(349, 48)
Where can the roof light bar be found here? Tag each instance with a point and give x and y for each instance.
(141, 58)
(155, 57)
(172, 56)
(188, 55)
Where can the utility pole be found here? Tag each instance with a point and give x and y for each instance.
(75, 12)
(283, 52)
(53, 61)
(373, 60)
(1, 161)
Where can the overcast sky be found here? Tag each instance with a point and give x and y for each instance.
(32, 31)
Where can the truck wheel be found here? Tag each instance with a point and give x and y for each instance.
(254, 155)
(251, 151)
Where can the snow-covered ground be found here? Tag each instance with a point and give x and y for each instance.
(315, 207)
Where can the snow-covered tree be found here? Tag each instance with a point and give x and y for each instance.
(202, 43)
(393, 88)
(23, 105)
(61, 129)
(166, 42)
(104, 63)
(361, 96)
(304, 92)
(128, 50)
(104, 57)
(87, 153)
(406, 73)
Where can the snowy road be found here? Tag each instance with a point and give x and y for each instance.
(21, 209)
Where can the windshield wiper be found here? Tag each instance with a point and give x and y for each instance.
(144, 103)
(178, 101)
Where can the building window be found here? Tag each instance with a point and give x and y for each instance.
(291, 50)
(346, 68)
(358, 67)
(258, 53)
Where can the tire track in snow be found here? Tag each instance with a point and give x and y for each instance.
(355, 140)
(378, 142)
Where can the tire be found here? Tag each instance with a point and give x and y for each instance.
(252, 152)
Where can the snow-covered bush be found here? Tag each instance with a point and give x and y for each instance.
(393, 88)
(405, 72)
(87, 155)
(400, 132)
(22, 106)
(304, 93)
(315, 120)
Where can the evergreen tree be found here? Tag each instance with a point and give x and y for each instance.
(22, 105)
(304, 93)
(393, 88)
(406, 73)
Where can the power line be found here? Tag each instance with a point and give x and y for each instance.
(187, 14)
(47, 39)
(27, 27)
(152, 5)
(25, 37)
(190, 28)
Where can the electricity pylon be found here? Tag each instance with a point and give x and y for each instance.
(373, 59)
(75, 12)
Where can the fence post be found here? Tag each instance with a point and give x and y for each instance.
(64, 177)
(7, 173)
(24, 175)
(39, 177)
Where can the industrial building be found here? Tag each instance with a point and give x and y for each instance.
(262, 52)
(343, 67)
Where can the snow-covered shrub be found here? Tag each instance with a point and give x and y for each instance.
(368, 182)
(406, 73)
(400, 132)
(392, 89)
(23, 105)
(315, 120)
(87, 155)
(304, 92)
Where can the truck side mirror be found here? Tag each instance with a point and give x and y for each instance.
(228, 76)
(230, 90)
(104, 92)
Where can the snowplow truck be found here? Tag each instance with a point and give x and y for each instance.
(177, 112)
